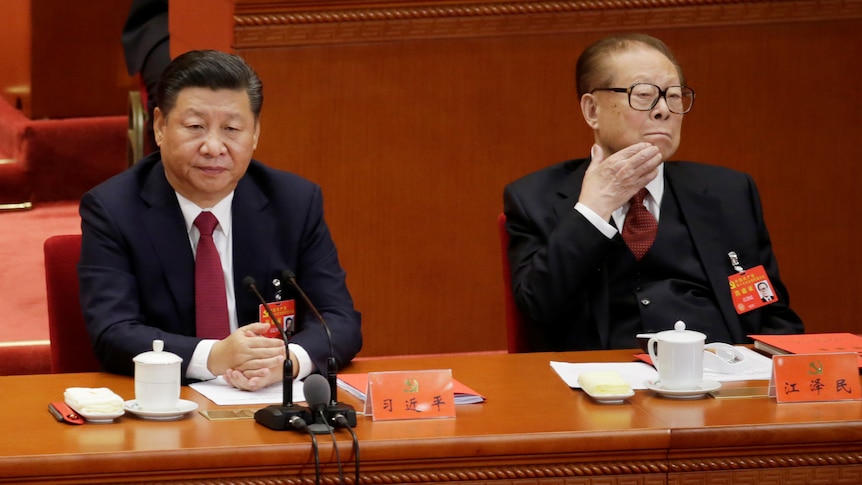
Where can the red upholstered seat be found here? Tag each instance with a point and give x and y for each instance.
(515, 321)
(57, 159)
(71, 350)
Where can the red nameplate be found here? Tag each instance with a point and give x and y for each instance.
(283, 311)
(815, 377)
(419, 394)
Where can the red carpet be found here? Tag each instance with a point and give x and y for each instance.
(22, 282)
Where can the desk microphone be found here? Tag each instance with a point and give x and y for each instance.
(287, 416)
(334, 410)
(316, 390)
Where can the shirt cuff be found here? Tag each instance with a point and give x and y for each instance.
(602, 225)
(198, 365)
(306, 367)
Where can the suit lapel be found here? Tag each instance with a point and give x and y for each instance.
(254, 232)
(165, 226)
(569, 190)
(701, 211)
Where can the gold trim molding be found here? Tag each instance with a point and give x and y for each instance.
(256, 27)
(17, 206)
(838, 468)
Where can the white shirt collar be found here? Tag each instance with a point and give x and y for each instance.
(652, 200)
(656, 190)
(222, 212)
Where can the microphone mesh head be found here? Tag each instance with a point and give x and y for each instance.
(316, 390)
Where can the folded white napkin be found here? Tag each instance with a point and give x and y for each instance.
(93, 400)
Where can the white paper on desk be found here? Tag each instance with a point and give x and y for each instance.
(635, 373)
(753, 367)
(224, 394)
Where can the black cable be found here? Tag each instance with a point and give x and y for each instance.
(342, 421)
(316, 457)
(335, 446)
(299, 423)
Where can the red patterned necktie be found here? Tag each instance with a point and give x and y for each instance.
(210, 294)
(640, 227)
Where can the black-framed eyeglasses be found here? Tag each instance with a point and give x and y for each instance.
(644, 97)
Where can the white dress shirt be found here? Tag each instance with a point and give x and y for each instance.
(652, 201)
(224, 245)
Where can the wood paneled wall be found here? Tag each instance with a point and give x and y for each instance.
(15, 62)
(61, 59)
(414, 115)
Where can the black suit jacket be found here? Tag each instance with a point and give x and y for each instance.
(558, 258)
(137, 266)
(146, 27)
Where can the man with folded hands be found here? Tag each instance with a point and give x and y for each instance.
(146, 231)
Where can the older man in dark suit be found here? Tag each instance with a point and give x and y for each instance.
(143, 238)
(622, 243)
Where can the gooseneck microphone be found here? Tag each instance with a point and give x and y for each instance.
(334, 409)
(287, 416)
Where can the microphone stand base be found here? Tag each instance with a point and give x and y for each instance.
(345, 410)
(319, 428)
(279, 417)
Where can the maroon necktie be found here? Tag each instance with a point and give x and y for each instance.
(640, 227)
(210, 294)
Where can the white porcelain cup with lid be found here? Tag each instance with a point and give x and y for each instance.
(157, 379)
(678, 357)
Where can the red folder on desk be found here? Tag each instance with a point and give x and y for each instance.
(809, 343)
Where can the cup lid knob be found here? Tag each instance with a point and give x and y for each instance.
(158, 355)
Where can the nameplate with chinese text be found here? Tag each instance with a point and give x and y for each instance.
(815, 377)
(419, 394)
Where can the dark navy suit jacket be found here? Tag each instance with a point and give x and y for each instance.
(558, 258)
(137, 266)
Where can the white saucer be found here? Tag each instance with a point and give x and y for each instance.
(705, 388)
(183, 407)
(611, 398)
(98, 417)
